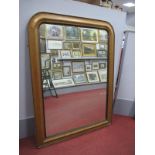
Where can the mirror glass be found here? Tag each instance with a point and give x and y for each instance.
(74, 76)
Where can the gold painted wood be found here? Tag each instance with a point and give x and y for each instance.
(94, 2)
(33, 37)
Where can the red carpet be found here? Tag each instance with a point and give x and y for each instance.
(79, 109)
(116, 139)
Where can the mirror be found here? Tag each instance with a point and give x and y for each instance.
(72, 75)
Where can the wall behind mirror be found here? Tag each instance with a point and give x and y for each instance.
(74, 76)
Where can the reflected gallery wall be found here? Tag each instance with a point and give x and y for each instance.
(74, 76)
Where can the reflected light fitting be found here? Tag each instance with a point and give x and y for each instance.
(129, 4)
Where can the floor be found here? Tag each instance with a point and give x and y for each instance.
(79, 109)
(116, 139)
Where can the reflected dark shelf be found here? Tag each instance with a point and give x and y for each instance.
(83, 58)
(83, 84)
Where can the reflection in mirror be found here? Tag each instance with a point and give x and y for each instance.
(74, 76)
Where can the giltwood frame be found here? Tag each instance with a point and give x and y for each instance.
(33, 37)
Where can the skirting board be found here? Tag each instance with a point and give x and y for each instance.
(122, 107)
(26, 127)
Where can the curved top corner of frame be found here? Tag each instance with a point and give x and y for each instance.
(36, 19)
(110, 27)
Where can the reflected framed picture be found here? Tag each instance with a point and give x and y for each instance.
(48, 63)
(54, 53)
(53, 44)
(54, 32)
(57, 66)
(72, 33)
(89, 50)
(76, 54)
(103, 65)
(89, 35)
(102, 75)
(97, 46)
(103, 36)
(95, 65)
(67, 45)
(79, 78)
(46, 84)
(50, 71)
(42, 45)
(102, 53)
(66, 71)
(88, 67)
(67, 63)
(44, 58)
(76, 45)
(106, 46)
(92, 77)
(65, 54)
(42, 31)
(78, 66)
(57, 75)
(101, 46)
(63, 83)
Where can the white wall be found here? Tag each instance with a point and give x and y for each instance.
(130, 20)
(127, 80)
(67, 7)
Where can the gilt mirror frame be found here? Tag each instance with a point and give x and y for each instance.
(33, 37)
